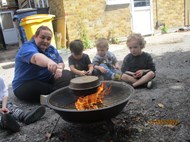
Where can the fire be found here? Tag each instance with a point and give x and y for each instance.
(93, 101)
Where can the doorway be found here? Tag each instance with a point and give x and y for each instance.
(8, 27)
(142, 17)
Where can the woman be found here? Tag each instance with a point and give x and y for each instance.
(39, 69)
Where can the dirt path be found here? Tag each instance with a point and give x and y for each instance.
(148, 111)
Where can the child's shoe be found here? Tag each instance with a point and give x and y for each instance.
(34, 115)
(9, 123)
(116, 77)
(149, 85)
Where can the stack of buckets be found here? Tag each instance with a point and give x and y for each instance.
(33, 22)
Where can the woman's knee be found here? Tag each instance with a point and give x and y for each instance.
(67, 75)
(28, 97)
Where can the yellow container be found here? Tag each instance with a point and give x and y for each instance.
(33, 22)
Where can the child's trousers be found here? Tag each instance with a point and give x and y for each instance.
(110, 71)
(15, 111)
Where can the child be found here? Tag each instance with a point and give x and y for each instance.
(138, 68)
(79, 62)
(9, 112)
(105, 61)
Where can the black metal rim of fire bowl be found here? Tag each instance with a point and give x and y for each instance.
(94, 110)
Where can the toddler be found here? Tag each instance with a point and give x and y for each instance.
(9, 112)
(79, 62)
(105, 61)
(138, 67)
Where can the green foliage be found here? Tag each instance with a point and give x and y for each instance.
(164, 30)
(83, 32)
(86, 42)
(111, 38)
(115, 40)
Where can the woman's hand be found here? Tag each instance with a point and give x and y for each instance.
(61, 66)
(52, 67)
(58, 73)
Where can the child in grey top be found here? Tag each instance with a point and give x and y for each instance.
(105, 61)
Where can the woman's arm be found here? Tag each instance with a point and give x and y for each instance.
(43, 61)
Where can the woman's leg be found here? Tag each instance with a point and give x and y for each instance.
(32, 90)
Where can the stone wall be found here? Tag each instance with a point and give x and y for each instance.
(99, 20)
(57, 8)
(94, 17)
(170, 12)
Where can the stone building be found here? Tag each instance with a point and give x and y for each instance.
(91, 19)
(101, 18)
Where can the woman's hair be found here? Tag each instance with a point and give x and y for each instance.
(76, 46)
(102, 43)
(42, 28)
(138, 37)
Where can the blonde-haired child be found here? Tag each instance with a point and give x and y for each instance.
(138, 67)
(105, 61)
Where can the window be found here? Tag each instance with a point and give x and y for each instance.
(141, 3)
(38, 3)
(115, 2)
(7, 22)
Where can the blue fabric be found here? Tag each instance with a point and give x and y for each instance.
(25, 71)
(110, 72)
(3, 89)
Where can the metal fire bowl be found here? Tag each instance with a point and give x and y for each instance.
(62, 102)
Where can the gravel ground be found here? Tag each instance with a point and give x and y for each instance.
(148, 116)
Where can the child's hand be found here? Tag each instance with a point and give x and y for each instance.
(89, 72)
(117, 67)
(4, 110)
(138, 74)
(82, 73)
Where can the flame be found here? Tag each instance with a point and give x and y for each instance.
(93, 101)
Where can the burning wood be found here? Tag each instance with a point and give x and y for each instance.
(93, 101)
